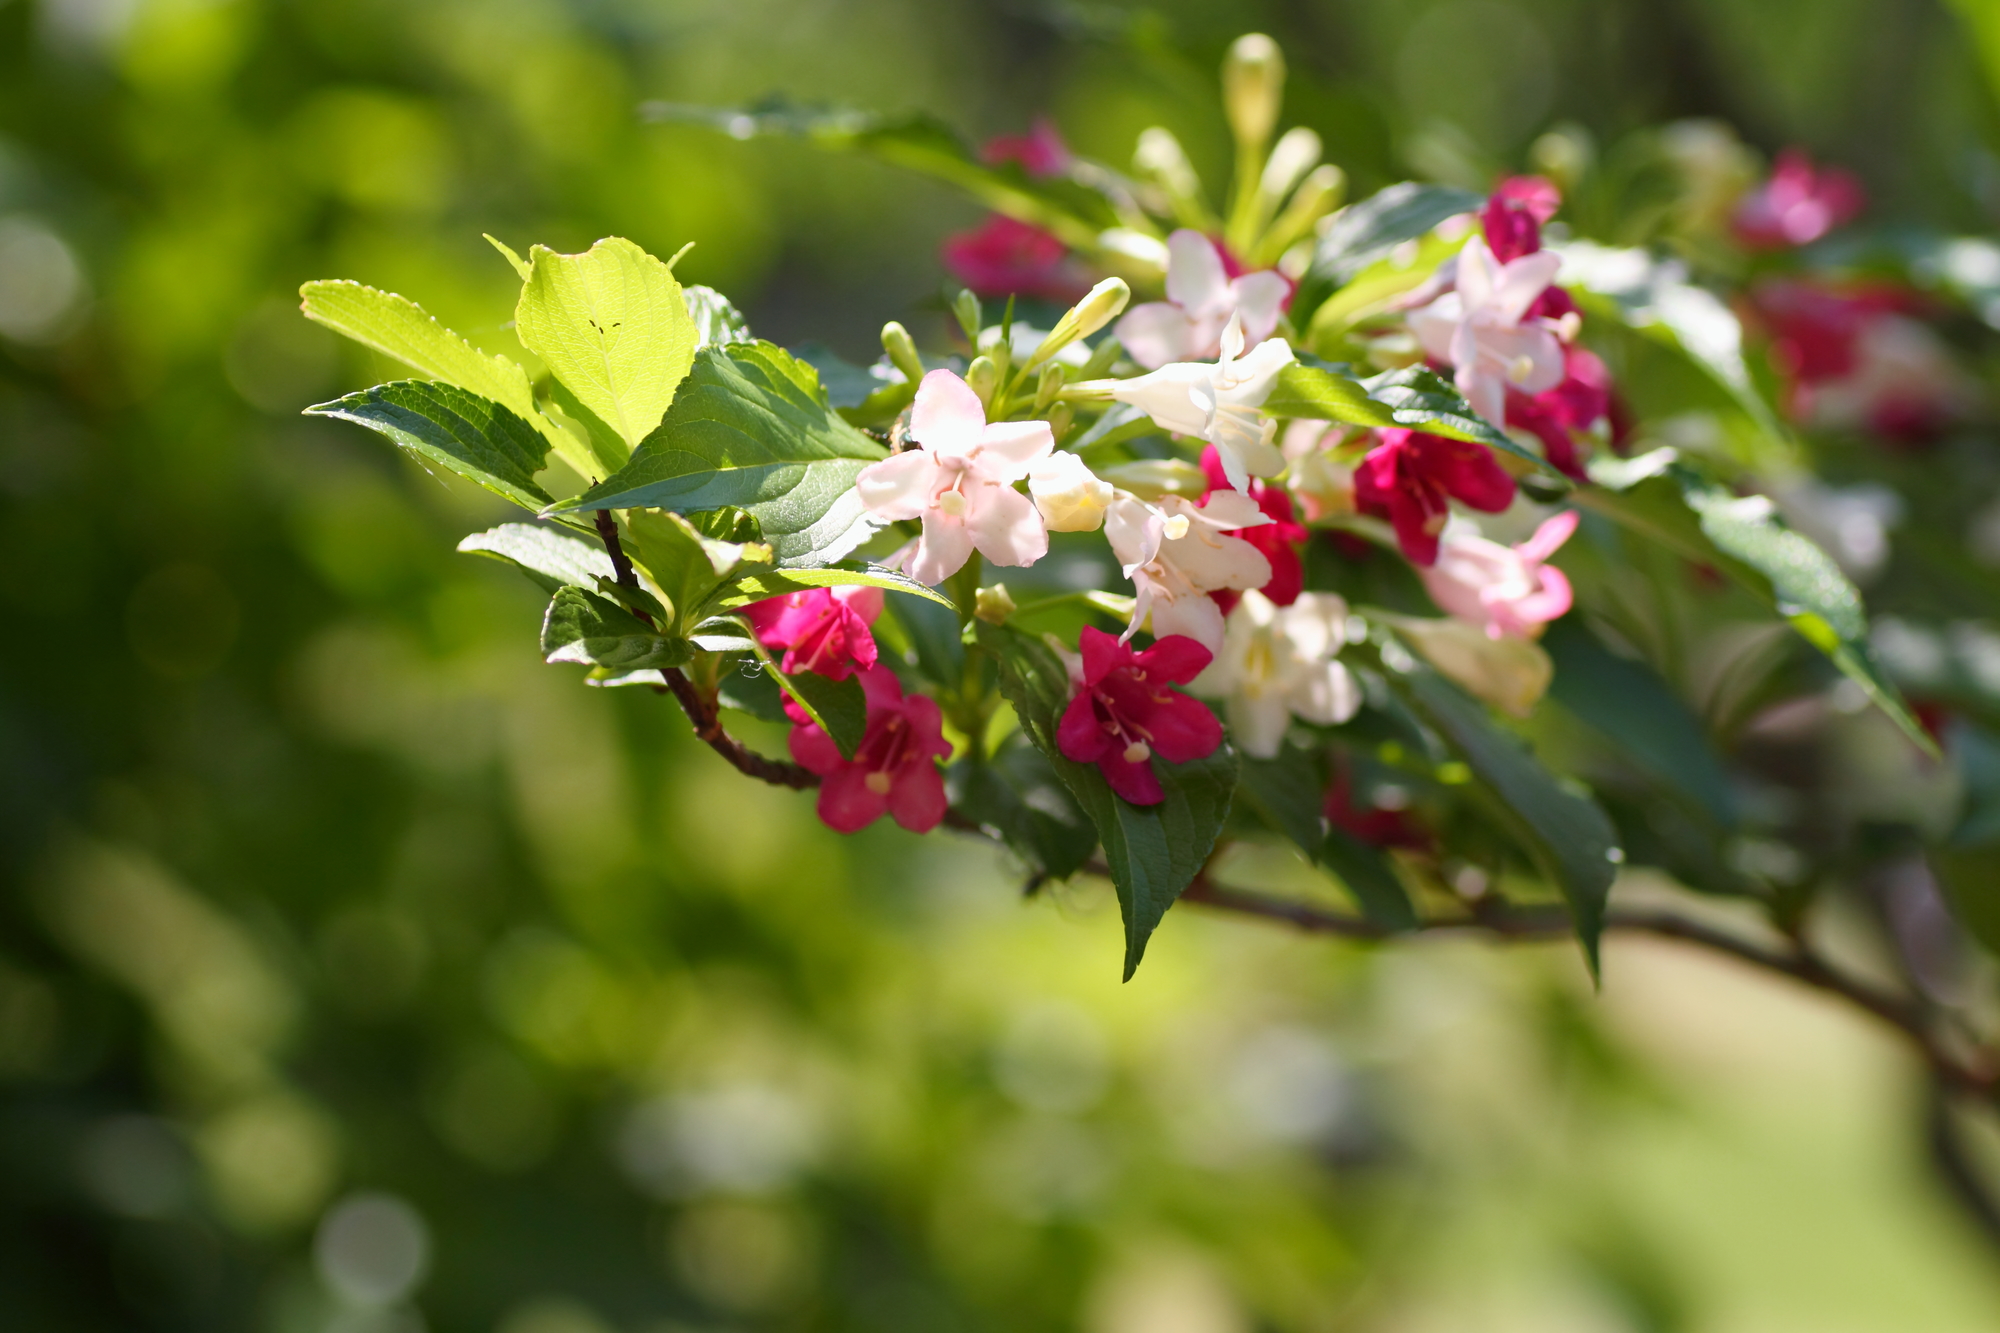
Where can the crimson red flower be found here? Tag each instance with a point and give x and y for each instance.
(1375, 825)
(1123, 713)
(1798, 205)
(1008, 257)
(1514, 215)
(1583, 397)
(891, 772)
(822, 630)
(1409, 477)
(1278, 540)
(1041, 151)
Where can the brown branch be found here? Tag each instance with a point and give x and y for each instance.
(1975, 1076)
(621, 564)
(707, 721)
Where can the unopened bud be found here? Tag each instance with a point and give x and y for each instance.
(993, 605)
(1318, 194)
(1099, 307)
(970, 316)
(1048, 386)
(1068, 495)
(1153, 478)
(984, 377)
(1161, 159)
(1059, 418)
(1295, 153)
(902, 351)
(1253, 86)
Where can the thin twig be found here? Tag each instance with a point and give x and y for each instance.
(621, 565)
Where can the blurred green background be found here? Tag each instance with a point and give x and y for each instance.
(360, 973)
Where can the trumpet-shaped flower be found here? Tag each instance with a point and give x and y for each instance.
(1279, 539)
(1411, 477)
(1201, 299)
(1176, 554)
(961, 483)
(1122, 713)
(1278, 662)
(1505, 590)
(1218, 402)
(822, 630)
(892, 771)
(1485, 332)
(1070, 497)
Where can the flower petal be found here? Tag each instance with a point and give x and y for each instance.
(1007, 449)
(1522, 281)
(898, 487)
(1259, 298)
(1176, 658)
(1196, 279)
(1156, 334)
(814, 750)
(1079, 736)
(947, 417)
(916, 796)
(1197, 617)
(847, 803)
(1136, 783)
(945, 548)
(1549, 537)
(1006, 526)
(1258, 725)
(1183, 730)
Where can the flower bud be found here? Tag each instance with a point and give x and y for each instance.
(984, 377)
(1151, 478)
(970, 316)
(1069, 496)
(1318, 194)
(1059, 418)
(993, 605)
(1253, 86)
(1296, 153)
(1160, 159)
(1049, 385)
(902, 351)
(1509, 673)
(1099, 307)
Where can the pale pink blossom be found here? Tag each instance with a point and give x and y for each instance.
(1509, 591)
(1217, 401)
(1484, 332)
(1201, 298)
(1176, 554)
(961, 482)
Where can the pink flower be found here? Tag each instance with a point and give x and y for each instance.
(1201, 296)
(1798, 205)
(1485, 329)
(1578, 403)
(1506, 590)
(1858, 359)
(961, 482)
(1041, 151)
(1008, 257)
(1410, 477)
(822, 630)
(892, 770)
(1177, 554)
(1123, 714)
(1278, 540)
(1515, 214)
(1377, 825)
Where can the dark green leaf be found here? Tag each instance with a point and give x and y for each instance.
(753, 692)
(583, 627)
(935, 638)
(1636, 710)
(1367, 231)
(751, 428)
(1418, 396)
(1017, 795)
(548, 556)
(846, 384)
(459, 431)
(839, 706)
(1288, 792)
(1568, 836)
(1154, 852)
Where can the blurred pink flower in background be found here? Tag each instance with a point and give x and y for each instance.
(1799, 204)
(1041, 151)
(1007, 257)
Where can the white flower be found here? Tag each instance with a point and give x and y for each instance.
(1277, 662)
(1481, 329)
(1176, 554)
(1510, 673)
(1201, 298)
(1069, 495)
(961, 483)
(1217, 402)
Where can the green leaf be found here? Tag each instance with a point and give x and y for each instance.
(684, 563)
(613, 327)
(600, 448)
(1566, 833)
(583, 627)
(1154, 852)
(1415, 396)
(1367, 231)
(1017, 796)
(474, 437)
(1319, 394)
(1287, 792)
(753, 692)
(549, 557)
(751, 428)
(1743, 536)
(911, 140)
(756, 585)
(839, 706)
(716, 321)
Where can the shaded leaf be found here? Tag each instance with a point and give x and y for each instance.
(613, 327)
(753, 692)
(583, 627)
(751, 428)
(839, 706)
(685, 564)
(1153, 852)
(474, 437)
(1367, 231)
(1016, 795)
(548, 556)
(1287, 792)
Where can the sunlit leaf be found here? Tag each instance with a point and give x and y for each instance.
(547, 555)
(583, 627)
(1366, 231)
